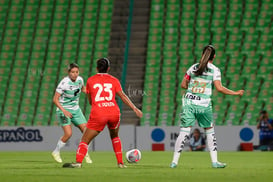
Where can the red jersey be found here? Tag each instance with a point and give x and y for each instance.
(102, 88)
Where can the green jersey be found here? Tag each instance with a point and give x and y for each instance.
(70, 92)
(200, 87)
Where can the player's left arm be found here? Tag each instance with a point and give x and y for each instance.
(220, 88)
(83, 89)
(129, 103)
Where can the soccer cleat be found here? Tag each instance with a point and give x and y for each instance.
(173, 165)
(72, 165)
(121, 165)
(57, 157)
(218, 165)
(88, 159)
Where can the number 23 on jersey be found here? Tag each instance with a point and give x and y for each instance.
(106, 87)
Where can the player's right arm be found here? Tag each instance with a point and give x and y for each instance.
(57, 103)
(220, 88)
(185, 82)
(89, 99)
(129, 103)
(187, 77)
(87, 91)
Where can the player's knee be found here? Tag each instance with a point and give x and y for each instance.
(82, 127)
(113, 135)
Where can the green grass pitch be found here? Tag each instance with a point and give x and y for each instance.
(154, 166)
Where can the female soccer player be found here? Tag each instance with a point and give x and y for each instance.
(66, 99)
(101, 91)
(196, 104)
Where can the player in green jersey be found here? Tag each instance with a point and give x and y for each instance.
(66, 99)
(196, 104)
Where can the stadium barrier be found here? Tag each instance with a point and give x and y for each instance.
(145, 138)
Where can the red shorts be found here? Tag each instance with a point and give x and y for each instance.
(99, 122)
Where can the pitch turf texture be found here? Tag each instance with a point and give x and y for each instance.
(154, 166)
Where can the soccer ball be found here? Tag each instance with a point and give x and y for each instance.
(133, 155)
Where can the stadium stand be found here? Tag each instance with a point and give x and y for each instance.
(241, 37)
(34, 56)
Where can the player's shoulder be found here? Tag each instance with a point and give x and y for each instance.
(63, 83)
(91, 78)
(112, 77)
(213, 67)
(113, 80)
(79, 78)
(65, 80)
(102, 75)
(193, 67)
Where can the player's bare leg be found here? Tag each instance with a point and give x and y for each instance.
(61, 143)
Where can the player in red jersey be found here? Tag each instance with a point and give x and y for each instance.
(101, 90)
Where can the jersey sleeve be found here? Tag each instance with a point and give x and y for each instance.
(117, 86)
(60, 87)
(217, 74)
(82, 81)
(190, 70)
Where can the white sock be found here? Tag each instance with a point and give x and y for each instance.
(60, 145)
(180, 143)
(87, 150)
(212, 145)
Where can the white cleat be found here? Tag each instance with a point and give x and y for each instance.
(88, 159)
(121, 165)
(219, 165)
(57, 157)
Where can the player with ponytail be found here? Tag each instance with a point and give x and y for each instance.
(101, 90)
(196, 104)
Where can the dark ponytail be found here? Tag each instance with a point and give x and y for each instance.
(102, 65)
(208, 55)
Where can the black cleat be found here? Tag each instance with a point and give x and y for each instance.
(72, 165)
